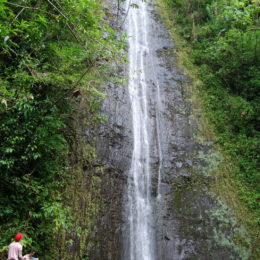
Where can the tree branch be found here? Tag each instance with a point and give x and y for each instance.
(29, 7)
(67, 24)
(18, 14)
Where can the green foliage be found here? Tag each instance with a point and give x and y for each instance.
(47, 50)
(225, 39)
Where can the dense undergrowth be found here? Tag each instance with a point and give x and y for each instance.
(222, 39)
(50, 53)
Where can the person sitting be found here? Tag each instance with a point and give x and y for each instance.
(15, 249)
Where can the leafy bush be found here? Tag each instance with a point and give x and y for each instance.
(47, 50)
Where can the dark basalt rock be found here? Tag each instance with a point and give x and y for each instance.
(186, 226)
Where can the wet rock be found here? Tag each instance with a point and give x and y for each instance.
(187, 222)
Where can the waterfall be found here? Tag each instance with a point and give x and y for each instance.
(139, 201)
(166, 215)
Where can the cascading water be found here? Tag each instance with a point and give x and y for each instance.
(139, 205)
(161, 220)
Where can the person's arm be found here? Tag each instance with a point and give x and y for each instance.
(20, 255)
(27, 257)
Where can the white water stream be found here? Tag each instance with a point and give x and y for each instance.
(140, 205)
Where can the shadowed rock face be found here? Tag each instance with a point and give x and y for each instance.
(114, 150)
(185, 222)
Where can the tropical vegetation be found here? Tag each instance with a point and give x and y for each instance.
(50, 53)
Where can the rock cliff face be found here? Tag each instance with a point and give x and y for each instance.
(114, 150)
(188, 222)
